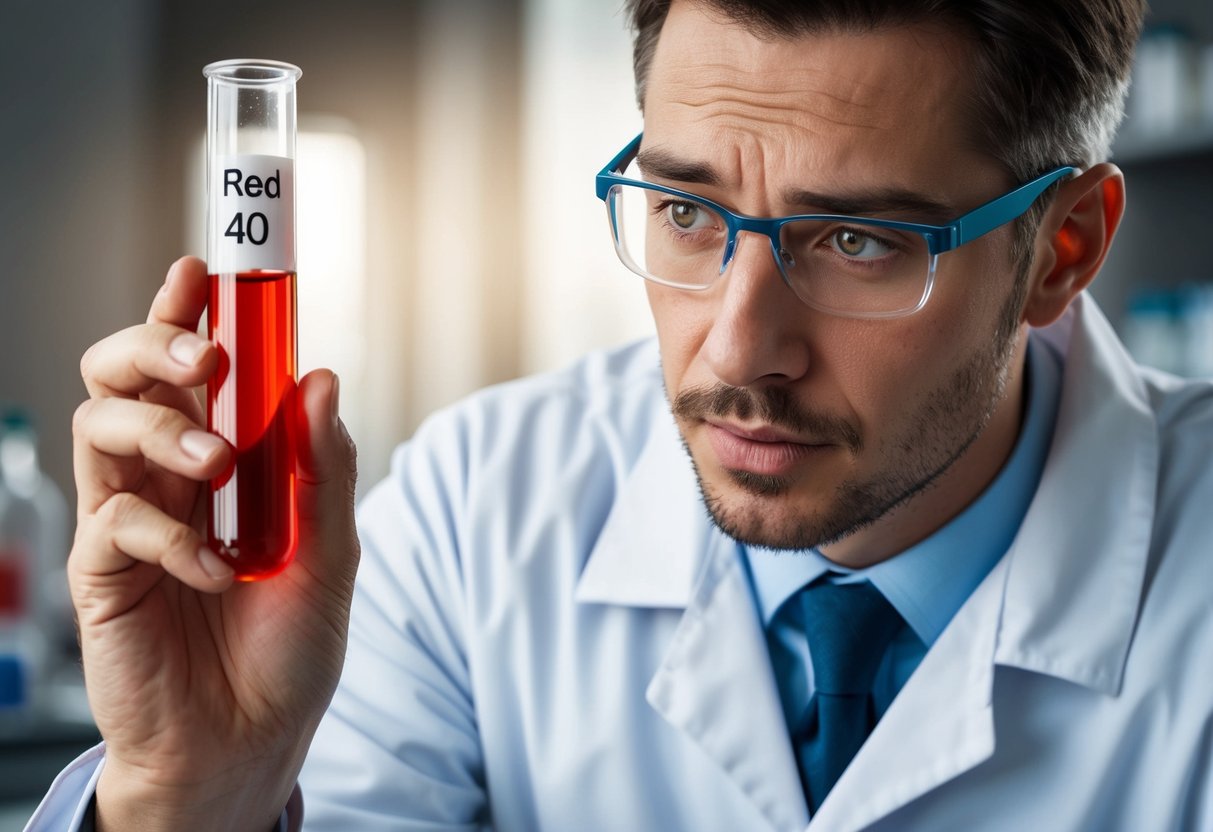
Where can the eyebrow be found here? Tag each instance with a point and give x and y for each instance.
(899, 202)
(654, 161)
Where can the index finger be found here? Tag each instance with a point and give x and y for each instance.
(183, 296)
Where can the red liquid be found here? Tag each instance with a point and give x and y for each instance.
(14, 591)
(251, 403)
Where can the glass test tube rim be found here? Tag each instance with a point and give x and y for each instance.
(226, 72)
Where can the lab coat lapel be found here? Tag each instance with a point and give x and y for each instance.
(715, 684)
(939, 726)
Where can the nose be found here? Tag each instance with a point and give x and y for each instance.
(759, 332)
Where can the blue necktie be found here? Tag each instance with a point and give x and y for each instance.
(849, 628)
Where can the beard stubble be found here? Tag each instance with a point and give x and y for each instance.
(941, 429)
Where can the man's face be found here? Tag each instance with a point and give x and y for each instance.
(807, 428)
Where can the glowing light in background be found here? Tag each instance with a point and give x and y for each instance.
(331, 235)
(580, 109)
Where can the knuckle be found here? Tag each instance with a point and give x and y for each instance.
(87, 542)
(119, 509)
(87, 360)
(159, 419)
(85, 533)
(179, 536)
(80, 417)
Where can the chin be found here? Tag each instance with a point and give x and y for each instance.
(763, 511)
(786, 514)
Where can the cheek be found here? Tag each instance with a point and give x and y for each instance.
(974, 282)
(886, 368)
(893, 367)
(682, 323)
(961, 316)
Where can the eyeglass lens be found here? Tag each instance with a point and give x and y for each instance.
(842, 265)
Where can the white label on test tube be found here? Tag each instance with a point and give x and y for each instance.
(253, 210)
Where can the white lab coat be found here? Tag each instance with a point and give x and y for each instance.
(549, 635)
(546, 608)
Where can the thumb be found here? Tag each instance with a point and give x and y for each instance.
(327, 473)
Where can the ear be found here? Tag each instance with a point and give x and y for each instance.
(1073, 240)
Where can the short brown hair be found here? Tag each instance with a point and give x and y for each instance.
(1050, 78)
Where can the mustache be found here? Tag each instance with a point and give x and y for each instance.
(773, 405)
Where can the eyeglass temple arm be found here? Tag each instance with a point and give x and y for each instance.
(602, 182)
(996, 212)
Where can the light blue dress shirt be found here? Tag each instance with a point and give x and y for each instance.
(928, 582)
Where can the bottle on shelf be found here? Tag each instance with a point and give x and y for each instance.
(35, 618)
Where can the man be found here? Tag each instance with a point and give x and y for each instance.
(909, 429)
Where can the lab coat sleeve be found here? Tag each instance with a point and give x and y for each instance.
(67, 803)
(399, 747)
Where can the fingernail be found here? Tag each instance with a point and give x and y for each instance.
(199, 444)
(213, 565)
(187, 348)
(336, 398)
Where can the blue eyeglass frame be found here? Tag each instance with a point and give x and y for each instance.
(940, 238)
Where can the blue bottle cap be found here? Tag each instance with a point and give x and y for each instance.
(12, 681)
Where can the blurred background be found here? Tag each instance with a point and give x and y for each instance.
(449, 236)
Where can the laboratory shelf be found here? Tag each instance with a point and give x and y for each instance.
(1141, 147)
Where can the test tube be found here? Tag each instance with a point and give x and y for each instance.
(250, 170)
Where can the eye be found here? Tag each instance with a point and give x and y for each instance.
(686, 215)
(851, 242)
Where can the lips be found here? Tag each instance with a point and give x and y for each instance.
(764, 450)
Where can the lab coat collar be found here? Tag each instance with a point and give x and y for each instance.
(1077, 566)
(655, 538)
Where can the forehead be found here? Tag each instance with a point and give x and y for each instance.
(843, 104)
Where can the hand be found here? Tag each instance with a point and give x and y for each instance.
(207, 692)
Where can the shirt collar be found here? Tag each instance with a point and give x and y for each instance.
(931, 580)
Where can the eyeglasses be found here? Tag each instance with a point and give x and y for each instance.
(856, 267)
